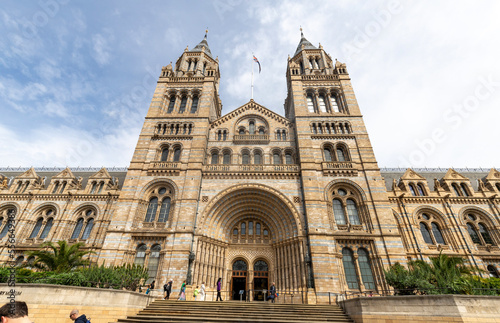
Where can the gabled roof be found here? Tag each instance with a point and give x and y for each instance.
(30, 173)
(251, 105)
(103, 173)
(452, 175)
(410, 174)
(493, 175)
(303, 42)
(66, 173)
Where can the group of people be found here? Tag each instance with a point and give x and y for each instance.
(199, 292)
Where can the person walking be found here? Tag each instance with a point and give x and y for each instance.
(201, 296)
(272, 293)
(167, 289)
(219, 288)
(182, 293)
(196, 292)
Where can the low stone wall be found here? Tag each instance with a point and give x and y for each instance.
(435, 308)
(53, 303)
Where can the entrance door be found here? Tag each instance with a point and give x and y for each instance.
(239, 280)
(260, 280)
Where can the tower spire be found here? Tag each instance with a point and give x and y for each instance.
(304, 43)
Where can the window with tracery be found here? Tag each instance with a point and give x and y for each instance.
(430, 229)
(5, 220)
(363, 264)
(478, 230)
(344, 203)
(159, 205)
(250, 231)
(84, 224)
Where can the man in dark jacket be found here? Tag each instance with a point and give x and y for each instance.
(167, 289)
(78, 319)
(272, 293)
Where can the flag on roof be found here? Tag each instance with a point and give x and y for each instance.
(255, 59)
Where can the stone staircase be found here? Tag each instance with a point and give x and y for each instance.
(234, 311)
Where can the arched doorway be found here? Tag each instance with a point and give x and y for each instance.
(239, 280)
(260, 280)
(251, 223)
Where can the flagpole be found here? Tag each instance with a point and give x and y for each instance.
(252, 75)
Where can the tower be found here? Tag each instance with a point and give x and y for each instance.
(350, 226)
(154, 219)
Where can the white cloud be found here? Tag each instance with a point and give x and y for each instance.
(102, 48)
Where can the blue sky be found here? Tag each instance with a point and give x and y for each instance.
(77, 77)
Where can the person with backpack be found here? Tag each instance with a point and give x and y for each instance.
(167, 289)
(78, 319)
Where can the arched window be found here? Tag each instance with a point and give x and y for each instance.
(243, 228)
(473, 234)
(171, 104)
(437, 233)
(47, 228)
(261, 131)
(224, 135)
(19, 261)
(425, 233)
(219, 135)
(412, 190)
(245, 158)
(154, 260)
(242, 131)
(338, 212)
(314, 128)
(194, 104)
(493, 272)
(183, 104)
(421, 190)
(88, 229)
(100, 188)
(288, 158)
(250, 228)
(37, 228)
(341, 155)
(78, 229)
(365, 269)
(328, 154)
(5, 229)
(151, 212)
(215, 158)
(352, 212)
(485, 234)
(283, 135)
(18, 187)
(164, 154)
(310, 103)
(56, 186)
(240, 265)
(251, 127)
(140, 255)
(92, 190)
(257, 229)
(334, 103)
(322, 103)
(63, 187)
(257, 158)
(465, 191)
(164, 210)
(276, 158)
(260, 265)
(349, 268)
(177, 154)
(456, 189)
(227, 158)
(278, 135)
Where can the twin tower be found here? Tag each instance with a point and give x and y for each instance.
(253, 197)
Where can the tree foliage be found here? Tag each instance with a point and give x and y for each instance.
(60, 257)
(442, 275)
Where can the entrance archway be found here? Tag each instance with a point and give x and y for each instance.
(251, 223)
(239, 280)
(260, 280)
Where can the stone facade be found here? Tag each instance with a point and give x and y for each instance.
(253, 197)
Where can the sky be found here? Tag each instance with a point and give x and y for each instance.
(77, 77)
